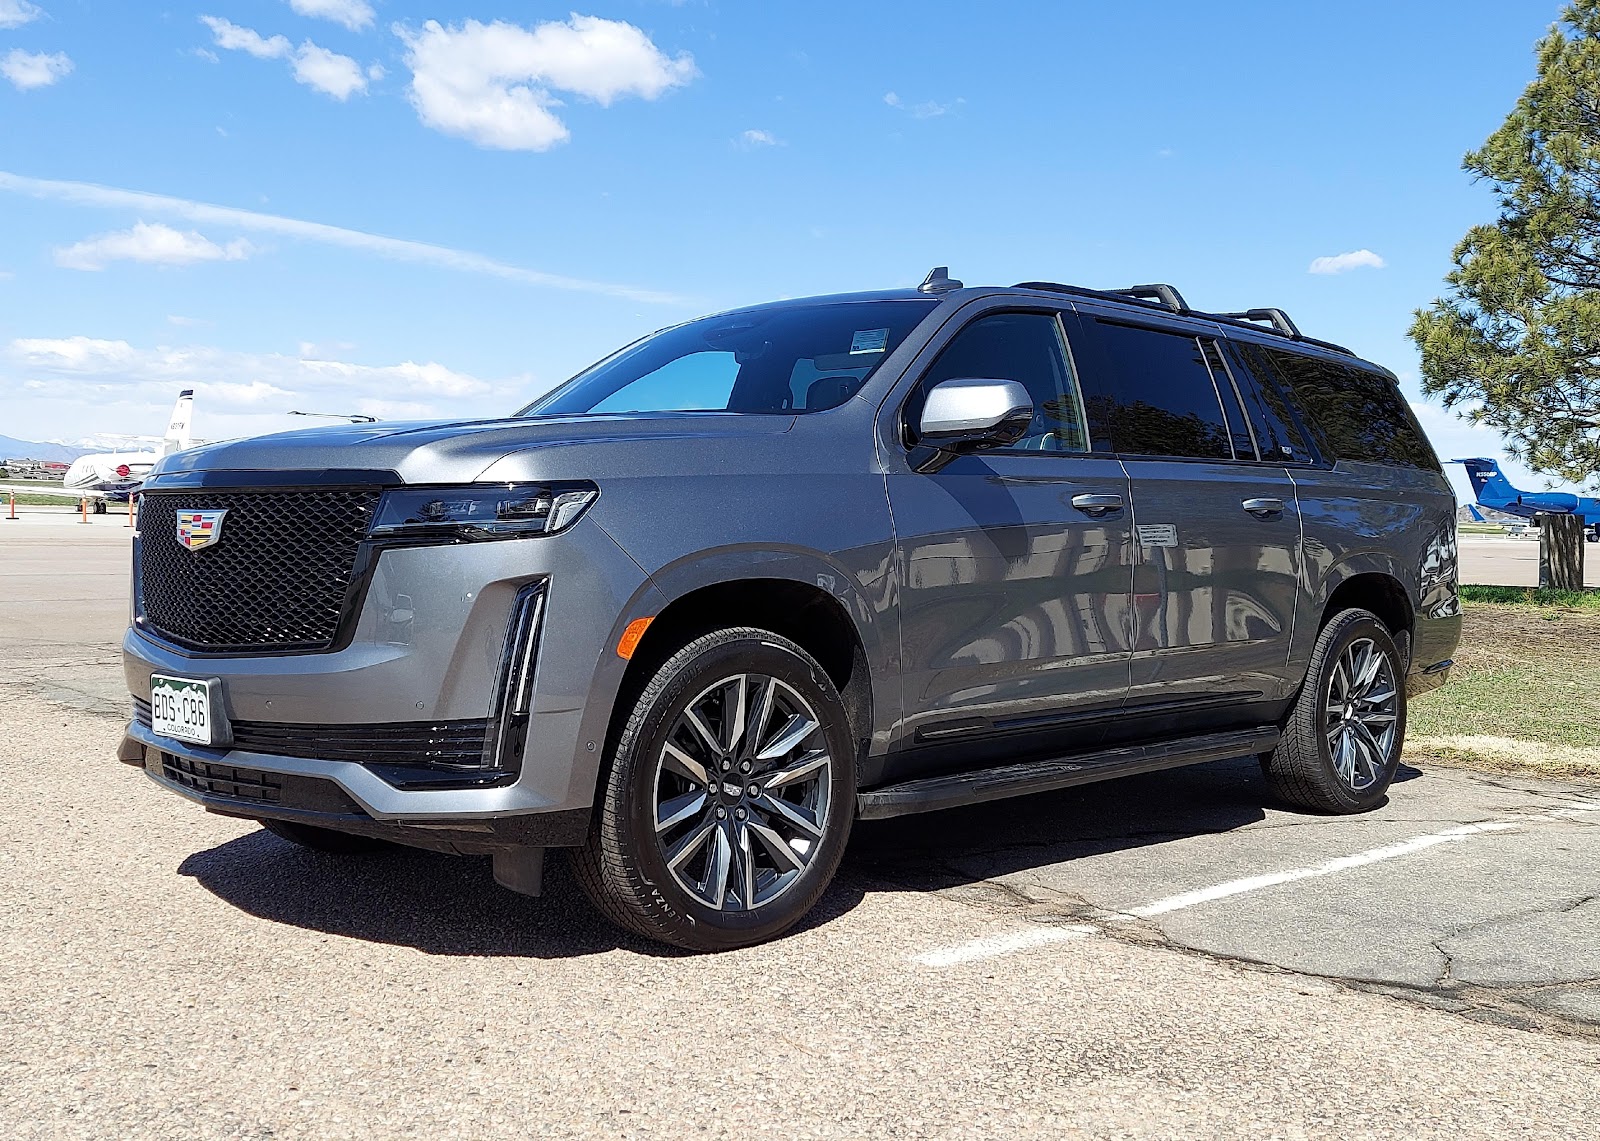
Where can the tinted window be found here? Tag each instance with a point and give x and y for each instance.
(1276, 432)
(798, 358)
(1162, 401)
(1358, 414)
(1027, 348)
(1244, 444)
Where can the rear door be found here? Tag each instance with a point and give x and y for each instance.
(1217, 570)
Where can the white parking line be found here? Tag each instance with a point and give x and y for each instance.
(993, 946)
(1328, 868)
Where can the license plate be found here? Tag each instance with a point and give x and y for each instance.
(181, 708)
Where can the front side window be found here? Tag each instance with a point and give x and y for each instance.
(1163, 401)
(801, 358)
(1029, 349)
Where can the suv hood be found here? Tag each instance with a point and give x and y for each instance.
(462, 451)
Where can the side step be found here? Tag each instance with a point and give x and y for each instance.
(930, 794)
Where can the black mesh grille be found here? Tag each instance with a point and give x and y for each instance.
(275, 579)
(446, 744)
(223, 780)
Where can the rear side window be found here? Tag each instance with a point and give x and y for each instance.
(1276, 431)
(1163, 401)
(1358, 414)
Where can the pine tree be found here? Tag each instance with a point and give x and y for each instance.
(1516, 340)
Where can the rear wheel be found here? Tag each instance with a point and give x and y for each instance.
(729, 799)
(323, 839)
(1341, 746)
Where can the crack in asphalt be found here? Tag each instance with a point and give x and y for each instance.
(1499, 1004)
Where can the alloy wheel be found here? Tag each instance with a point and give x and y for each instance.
(742, 792)
(1362, 710)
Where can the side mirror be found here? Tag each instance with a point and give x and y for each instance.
(970, 414)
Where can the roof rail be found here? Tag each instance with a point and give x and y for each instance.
(1166, 297)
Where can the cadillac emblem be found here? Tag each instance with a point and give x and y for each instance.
(199, 529)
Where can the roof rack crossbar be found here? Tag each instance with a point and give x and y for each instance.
(1163, 295)
(1277, 318)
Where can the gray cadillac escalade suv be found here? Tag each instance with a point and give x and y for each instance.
(763, 574)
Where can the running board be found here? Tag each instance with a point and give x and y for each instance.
(933, 793)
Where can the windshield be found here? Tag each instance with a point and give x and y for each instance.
(788, 360)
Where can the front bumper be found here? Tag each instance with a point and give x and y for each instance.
(256, 786)
(428, 643)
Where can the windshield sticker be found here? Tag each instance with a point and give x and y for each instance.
(869, 341)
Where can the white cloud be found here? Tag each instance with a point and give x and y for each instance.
(353, 14)
(15, 13)
(234, 38)
(315, 66)
(1344, 263)
(757, 138)
(492, 83)
(328, 72)
(396, 249)
(928, 110)
(152, 243)
(80, 367)
(27, 70)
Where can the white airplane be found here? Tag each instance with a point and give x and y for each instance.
(114, 475)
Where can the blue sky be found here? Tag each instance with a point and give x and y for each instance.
(444, 208)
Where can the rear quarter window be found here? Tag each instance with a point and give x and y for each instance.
(1355, 413)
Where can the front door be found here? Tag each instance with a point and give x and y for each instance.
(1015, 619)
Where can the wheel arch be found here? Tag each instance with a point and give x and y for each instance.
(1375, 585)
(805, 611)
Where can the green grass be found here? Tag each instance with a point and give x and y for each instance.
(1588, 600)
(24, 499)
(1480, 529)
(1525, 691)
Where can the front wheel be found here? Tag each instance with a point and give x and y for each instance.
(1341, 746)
(729, 799)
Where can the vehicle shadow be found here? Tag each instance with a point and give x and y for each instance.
(435, 903)
(968, 845)
(450, 905)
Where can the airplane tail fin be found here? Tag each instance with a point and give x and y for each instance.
(179, 428)
(1488, 483)
(1475, 515)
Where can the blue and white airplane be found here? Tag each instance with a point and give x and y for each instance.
(1494, 490)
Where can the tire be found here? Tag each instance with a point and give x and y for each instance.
(323, 839)
(727, 869)
(1341, 745)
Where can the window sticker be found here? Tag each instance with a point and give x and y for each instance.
(1158, 535)
(869, 341)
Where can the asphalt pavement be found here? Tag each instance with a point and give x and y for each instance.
(1167, 955)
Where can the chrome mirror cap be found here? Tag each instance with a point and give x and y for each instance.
(975, 412)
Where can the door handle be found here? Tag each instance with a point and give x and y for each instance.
(1097, 505)
(1266, 508)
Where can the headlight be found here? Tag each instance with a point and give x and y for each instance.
(481, 511)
